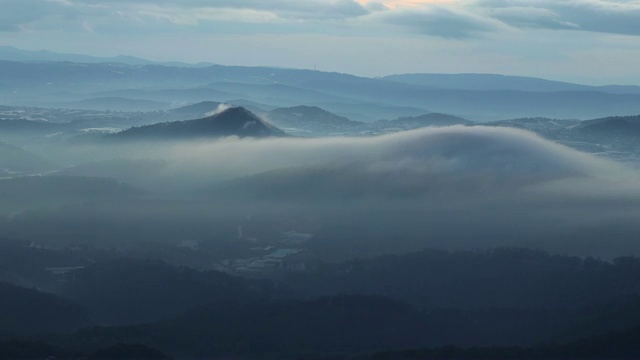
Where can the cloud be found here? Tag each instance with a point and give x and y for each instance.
(143, 15)
(16, 13)
(464, 187)
(466, 19)
(442, 21)
(606, 16)
(457, 19)
(496, 152)
(532, 17)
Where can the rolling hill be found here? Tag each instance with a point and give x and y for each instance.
(613, 125)
(312, 119)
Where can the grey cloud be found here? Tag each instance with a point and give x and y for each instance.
(287, 8)
(458, 20)
(56, 13)
(607, 16)
(15, 13)
(470, 19)
(532, 17)
(473, 18)
(442, 21)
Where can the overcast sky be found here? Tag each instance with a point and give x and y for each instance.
(588, 41)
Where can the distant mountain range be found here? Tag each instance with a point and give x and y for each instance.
(235, 121)
(113, 103)
(14, 54)
(493, 82)
(479, 97)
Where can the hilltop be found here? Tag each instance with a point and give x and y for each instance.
(236, 121)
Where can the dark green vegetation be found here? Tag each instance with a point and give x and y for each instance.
(510, 303)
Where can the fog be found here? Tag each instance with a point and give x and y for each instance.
(489, 151)
(453, 188)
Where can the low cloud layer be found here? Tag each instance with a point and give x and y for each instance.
(455, 151)
(456, 187)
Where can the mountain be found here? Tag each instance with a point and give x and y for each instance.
(481, 100)
(613, 125)
(312, 119)
(426, 120)
(494, 82)
(14, 54)
(236, 121)
(490, 105)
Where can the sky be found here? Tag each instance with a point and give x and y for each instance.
(585, 41)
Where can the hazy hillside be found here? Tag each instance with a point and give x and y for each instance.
(174, 96)
(14, 159)
(22, 193)
(9, 127)
(486, 82)
(628, 126)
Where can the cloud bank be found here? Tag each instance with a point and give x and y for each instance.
(454, 151)
(448, 19)
(457, 187)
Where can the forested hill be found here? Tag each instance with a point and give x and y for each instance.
(236, 121)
